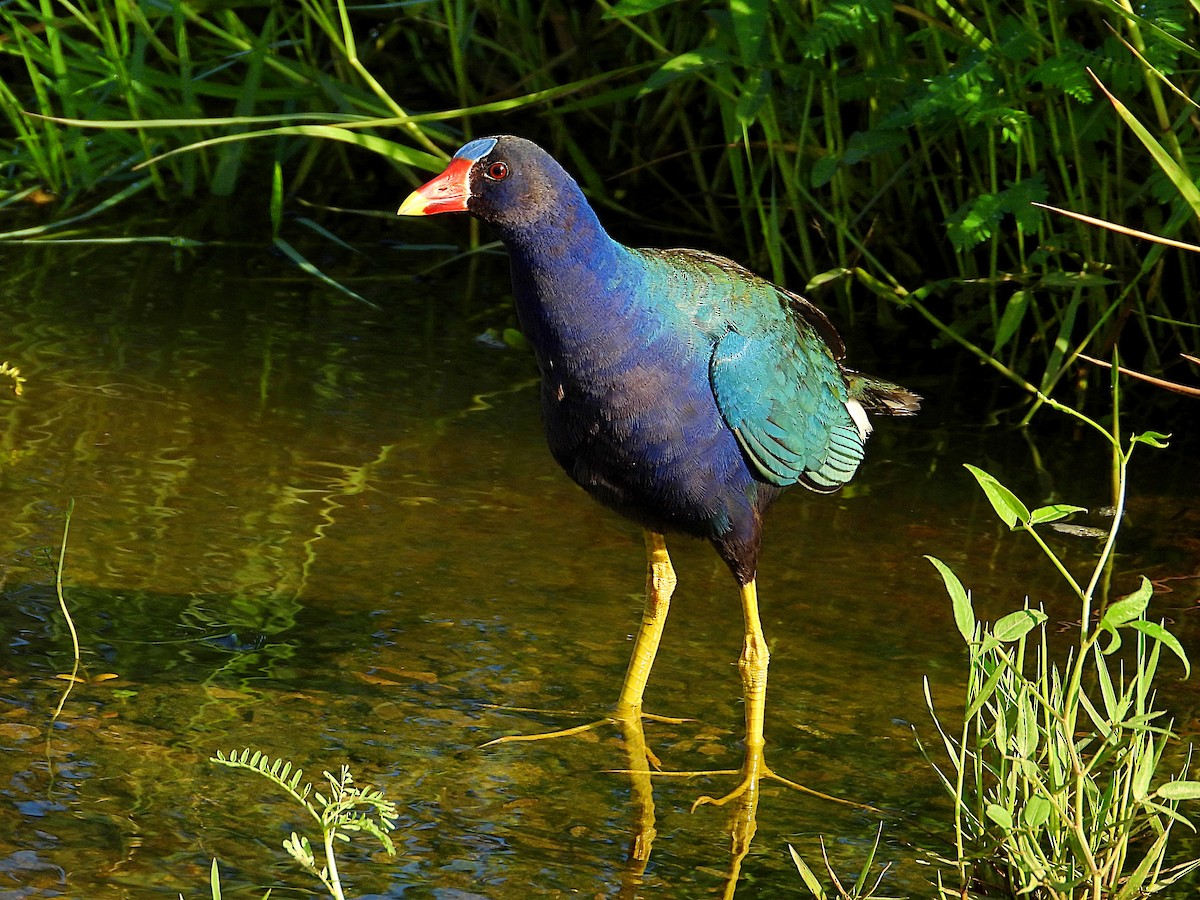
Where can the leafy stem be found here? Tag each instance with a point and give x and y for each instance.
(1049, 800)
(347, 810)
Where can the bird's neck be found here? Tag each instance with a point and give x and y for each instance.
(575, 287)
(565, 239)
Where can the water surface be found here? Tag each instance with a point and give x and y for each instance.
(334, 533)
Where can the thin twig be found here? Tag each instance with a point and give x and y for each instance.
(1150, 379)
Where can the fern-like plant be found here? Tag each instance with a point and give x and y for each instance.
(346, 811)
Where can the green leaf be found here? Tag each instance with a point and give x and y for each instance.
(1153, 438)
(1018, 624)
(682, 65)
(1103, 727)
(214, 880)
(976, 220)
(1114, 643)
(754, 92)
(1168, 640)
(1064, 73)
(1028, 736)
(276, 200)
(1179, 790)
(1010, 321)
(889, 292)
(807, 874)
(1169, 813)
(1037, 810)
(515, 339)
(1053, 513)
(1128, 608)
(1108, 693)
(865, 144)
(986, 691)
(861, 145)
(838, 274)
(1012, 512)
(629, 8)
(1143, 770)
(861, 882)
(1073, 280)
(1137, 878)
(842, 23)
(1141, 21)
(391, 150)
(325, 233)
(1000, 816)
(823, 170)
(296, 257)
(1173, 170)
(960, 600)
(749, 26)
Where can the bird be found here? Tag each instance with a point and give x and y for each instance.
(678, 388)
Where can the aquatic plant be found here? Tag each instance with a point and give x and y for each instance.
(347, 810)
(1056, 770)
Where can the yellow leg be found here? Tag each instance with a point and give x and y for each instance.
(660, 584)
(752, 665)
(643, 830)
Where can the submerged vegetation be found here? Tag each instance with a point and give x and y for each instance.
(860, 147)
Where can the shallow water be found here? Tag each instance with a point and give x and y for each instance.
(334, 533)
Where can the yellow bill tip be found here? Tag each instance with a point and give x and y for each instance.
(414, 205)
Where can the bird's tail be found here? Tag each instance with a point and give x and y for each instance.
(881, 397)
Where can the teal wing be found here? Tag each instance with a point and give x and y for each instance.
(783, 394)
(773, 369)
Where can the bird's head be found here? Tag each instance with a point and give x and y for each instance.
(505, 180)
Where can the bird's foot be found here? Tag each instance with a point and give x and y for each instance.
(619, 717)
(753, 771)
(547, 735)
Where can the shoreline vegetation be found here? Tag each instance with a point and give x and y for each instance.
(885, 157)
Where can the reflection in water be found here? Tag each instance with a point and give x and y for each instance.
(334, 533)
(641, 804)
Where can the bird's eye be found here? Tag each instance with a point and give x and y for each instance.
(497, 171)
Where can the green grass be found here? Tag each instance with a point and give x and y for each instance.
(887, 156)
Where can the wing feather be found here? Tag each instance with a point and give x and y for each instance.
(784, 397)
